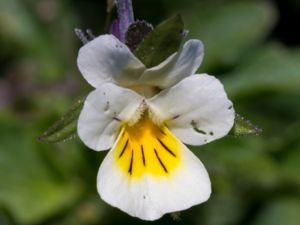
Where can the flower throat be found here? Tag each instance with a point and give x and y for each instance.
(146, 148)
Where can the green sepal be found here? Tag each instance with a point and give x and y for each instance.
(65, 128)
(159, 44)
(243, 127)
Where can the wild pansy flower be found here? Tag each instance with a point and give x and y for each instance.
(143, 116)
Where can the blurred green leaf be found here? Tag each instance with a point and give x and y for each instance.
(291, 166)
(29, 189)
(290, 162)
(243, 127)
(281, 211)
(24, 32)
(228, 28)
(65, 128)
(3, 219)
(220, 207)
(245, 160)
(272, 68)
(163, 41)
(90, 211)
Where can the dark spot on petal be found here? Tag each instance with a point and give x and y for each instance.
(195, 127)
(106, 106)
(175, 117)
(117, 119)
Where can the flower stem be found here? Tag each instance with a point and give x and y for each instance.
(125, 16)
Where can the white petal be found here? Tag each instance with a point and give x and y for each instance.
(107, 59)
(148, 197)
(102, 114)
(196, 110)
(176, 67)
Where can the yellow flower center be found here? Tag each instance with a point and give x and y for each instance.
(146, 148)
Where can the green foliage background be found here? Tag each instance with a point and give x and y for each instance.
(256, 180)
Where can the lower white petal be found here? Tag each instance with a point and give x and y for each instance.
(153, 183)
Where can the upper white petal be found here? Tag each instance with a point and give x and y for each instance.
(149, 198)
(196, 110)
(99, 120)
(106, 59)
(176, 67)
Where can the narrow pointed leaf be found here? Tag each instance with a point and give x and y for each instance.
(163, 41)
(65, 128)
(244, 127)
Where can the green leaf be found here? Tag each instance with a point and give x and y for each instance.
(228, 29)
(250, 155)
(30, 189)
(272, 68)
(22, 29)
(291, 165)
(4, 219)
(163, 41)
(290, 160)
(65, 128)
(243, 127)
(90, 211)
(218, 210)
(283, 210)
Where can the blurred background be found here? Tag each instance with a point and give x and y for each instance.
(252, 46)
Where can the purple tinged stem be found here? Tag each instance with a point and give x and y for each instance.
(115, 29)
(126, 17)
